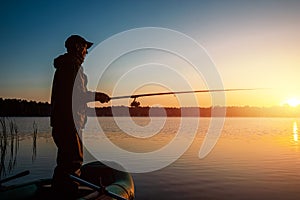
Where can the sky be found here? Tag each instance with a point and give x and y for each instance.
(253, 44)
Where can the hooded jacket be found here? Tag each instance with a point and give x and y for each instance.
(69, 93)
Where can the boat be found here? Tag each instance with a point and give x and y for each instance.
(97, 181)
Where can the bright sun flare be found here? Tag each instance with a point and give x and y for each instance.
(293, 102)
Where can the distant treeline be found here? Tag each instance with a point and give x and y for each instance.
(17, 107)
(231, 111)
(123, 111)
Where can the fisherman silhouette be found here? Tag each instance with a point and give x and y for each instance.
(67, 123)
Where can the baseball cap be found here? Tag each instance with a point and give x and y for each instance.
(76, 39)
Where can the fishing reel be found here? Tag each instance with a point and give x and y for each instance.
(135, 103)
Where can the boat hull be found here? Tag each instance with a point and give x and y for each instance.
(115, 181)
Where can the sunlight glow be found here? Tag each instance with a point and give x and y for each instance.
(293, 102)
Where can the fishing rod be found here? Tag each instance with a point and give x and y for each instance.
(135, 96)
(181, 92)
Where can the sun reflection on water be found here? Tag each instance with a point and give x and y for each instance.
(295, 132)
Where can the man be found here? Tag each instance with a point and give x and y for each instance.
(68, 113)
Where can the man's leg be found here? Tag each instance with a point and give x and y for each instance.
(69, 161)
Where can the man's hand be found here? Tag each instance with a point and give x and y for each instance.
(103, 98)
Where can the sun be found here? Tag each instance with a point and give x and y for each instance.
(293, 102)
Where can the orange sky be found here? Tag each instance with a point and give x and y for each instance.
(254, 44)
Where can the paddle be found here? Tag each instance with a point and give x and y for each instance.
(24, 173)
(96, 187)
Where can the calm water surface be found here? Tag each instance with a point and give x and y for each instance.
(255, 158)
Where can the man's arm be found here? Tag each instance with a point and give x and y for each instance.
(97, 96)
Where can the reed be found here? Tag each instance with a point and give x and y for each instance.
(9, 140)
(3, 146)
(34, 138)
(14, 144)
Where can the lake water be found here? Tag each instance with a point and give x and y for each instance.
(254, 158)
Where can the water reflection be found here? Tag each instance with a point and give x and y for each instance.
(295, 132)
(256, 153)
